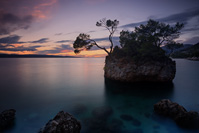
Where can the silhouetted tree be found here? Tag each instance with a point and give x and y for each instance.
(153, 32)
(83, 41)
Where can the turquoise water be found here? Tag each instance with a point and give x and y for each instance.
(38, 88)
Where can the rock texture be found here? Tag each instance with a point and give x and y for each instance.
(177, 112)
(7, 118)
(63, 122)
(126, 70)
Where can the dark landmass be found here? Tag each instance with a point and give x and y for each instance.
(187, 51)
(33, 56)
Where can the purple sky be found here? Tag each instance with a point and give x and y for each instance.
(51, 26)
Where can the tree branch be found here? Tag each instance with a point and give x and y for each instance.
(100, 47)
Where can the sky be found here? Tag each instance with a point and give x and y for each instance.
(49, 27)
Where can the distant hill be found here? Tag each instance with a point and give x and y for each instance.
(168, 51)
(33, 56)
(187, 51)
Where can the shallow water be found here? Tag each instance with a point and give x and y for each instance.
(38, 88)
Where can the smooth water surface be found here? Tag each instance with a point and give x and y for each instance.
(38, 88)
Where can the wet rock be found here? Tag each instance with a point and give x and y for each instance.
(127, 70)
(102, 112)
(188, 119)
(167, 108)
(178, 113)
(7, 118)
(63, 122)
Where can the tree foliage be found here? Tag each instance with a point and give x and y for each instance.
(83, 41)
(153, 32)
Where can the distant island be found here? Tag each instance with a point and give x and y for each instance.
(139, 58)
(33, 56)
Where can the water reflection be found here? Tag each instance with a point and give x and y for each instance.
(148, 90)
(133, 104)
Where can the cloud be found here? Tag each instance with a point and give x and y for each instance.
(13, 39)
(40, 9)
(105, 39)
(58, 34)
(19, 14)
(20, 48)
(192, 40)
(63, 41)
(42, 40)
(61, 49)
(91, 31)
(182, 17)
(10, 22)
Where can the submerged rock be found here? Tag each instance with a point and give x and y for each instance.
(7, 118)
(130, 118)
(127, 70)
(178, 113)
(99, 121)
(102, 112)
(63, 122)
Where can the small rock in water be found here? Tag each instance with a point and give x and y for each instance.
(7, 118)
(63, 122)
(167, 108)
(188, 119)
(178, 113)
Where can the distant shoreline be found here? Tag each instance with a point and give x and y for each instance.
(34, 56)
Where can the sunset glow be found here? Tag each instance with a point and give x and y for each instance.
(50, 27)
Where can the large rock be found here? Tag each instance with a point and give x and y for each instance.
(63, 122)
(127, 70)
(7, 118)
(178, 113)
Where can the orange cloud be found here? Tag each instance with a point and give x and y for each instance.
(16, 45)
(43, 10)
(18, 52)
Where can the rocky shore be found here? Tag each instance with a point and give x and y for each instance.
(127, 70)
(193, 58)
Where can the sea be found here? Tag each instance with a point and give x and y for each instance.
(38, 88)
